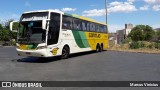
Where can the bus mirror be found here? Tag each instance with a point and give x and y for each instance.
(44, 22)
(12, 25)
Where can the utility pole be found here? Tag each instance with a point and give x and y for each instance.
(106, 4)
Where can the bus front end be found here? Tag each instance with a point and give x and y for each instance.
(31, 34)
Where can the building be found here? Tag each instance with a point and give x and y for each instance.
(128, 28)
(122, 34)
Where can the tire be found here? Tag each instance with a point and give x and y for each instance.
(98, 48)
(102, 48)
(65, 52)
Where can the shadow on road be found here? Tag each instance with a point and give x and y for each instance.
(51, 59)
(38, 60)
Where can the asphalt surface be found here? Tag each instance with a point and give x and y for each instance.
(90, 66)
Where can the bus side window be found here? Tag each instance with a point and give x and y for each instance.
(88, 26)
(84, 26)
(98, 28)
(67, 22)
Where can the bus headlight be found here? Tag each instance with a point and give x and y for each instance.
(41, 47)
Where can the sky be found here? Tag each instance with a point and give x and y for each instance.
(120, 12)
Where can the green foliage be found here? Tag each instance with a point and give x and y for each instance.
(15, 26)
(158, 34)
(157, 45)
(136, 35)
(6, 27)
(142, 33)
(148, 33)
(151, 46)
(136, 45)
(1, 27)
(142, 44)
(127, 40)
(4, 35)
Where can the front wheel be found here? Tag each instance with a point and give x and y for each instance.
(65, 52)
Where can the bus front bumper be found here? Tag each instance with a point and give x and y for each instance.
(32, 53)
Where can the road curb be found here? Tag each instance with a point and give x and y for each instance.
(136, 51)
(6, 46)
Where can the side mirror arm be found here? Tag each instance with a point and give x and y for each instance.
(11, 26)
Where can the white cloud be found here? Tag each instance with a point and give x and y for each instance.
(114, 7)
(56, 9)
(123, 7)
(27, 4)
(156, 7)
(152, 1)
(116, 3)
(68, 9)
(155, 4)
(94, 12)
(145, 7)
(131, 1)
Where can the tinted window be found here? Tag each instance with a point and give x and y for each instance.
(54, 28)
(67, 22)
(78, 24)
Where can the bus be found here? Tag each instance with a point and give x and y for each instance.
(48, 33)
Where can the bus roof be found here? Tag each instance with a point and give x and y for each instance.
(72, 15)
(50, 10)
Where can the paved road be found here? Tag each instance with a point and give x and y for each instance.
(103, 66)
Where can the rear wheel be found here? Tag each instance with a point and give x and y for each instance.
(65, 52)
(98, 49)
(102, 47)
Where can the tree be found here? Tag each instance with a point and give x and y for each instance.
(1, 27)
(4, 35)
(142, 33)
(158, 34)
(148, 32)
(136, 35)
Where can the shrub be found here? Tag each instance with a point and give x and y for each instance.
(141, 44)
(151, 46)
(134, 45)
(127, 40)
(157, 45)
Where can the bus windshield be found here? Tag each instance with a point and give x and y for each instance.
(30, 28)
(30, 32)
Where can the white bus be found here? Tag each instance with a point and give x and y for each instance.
(48, 33)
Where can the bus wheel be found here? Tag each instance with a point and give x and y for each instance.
(98, 48)
(102, 47)
(65, 52)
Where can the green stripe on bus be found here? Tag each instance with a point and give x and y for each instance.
(78, 39)
(32, 46)
(84, 39)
